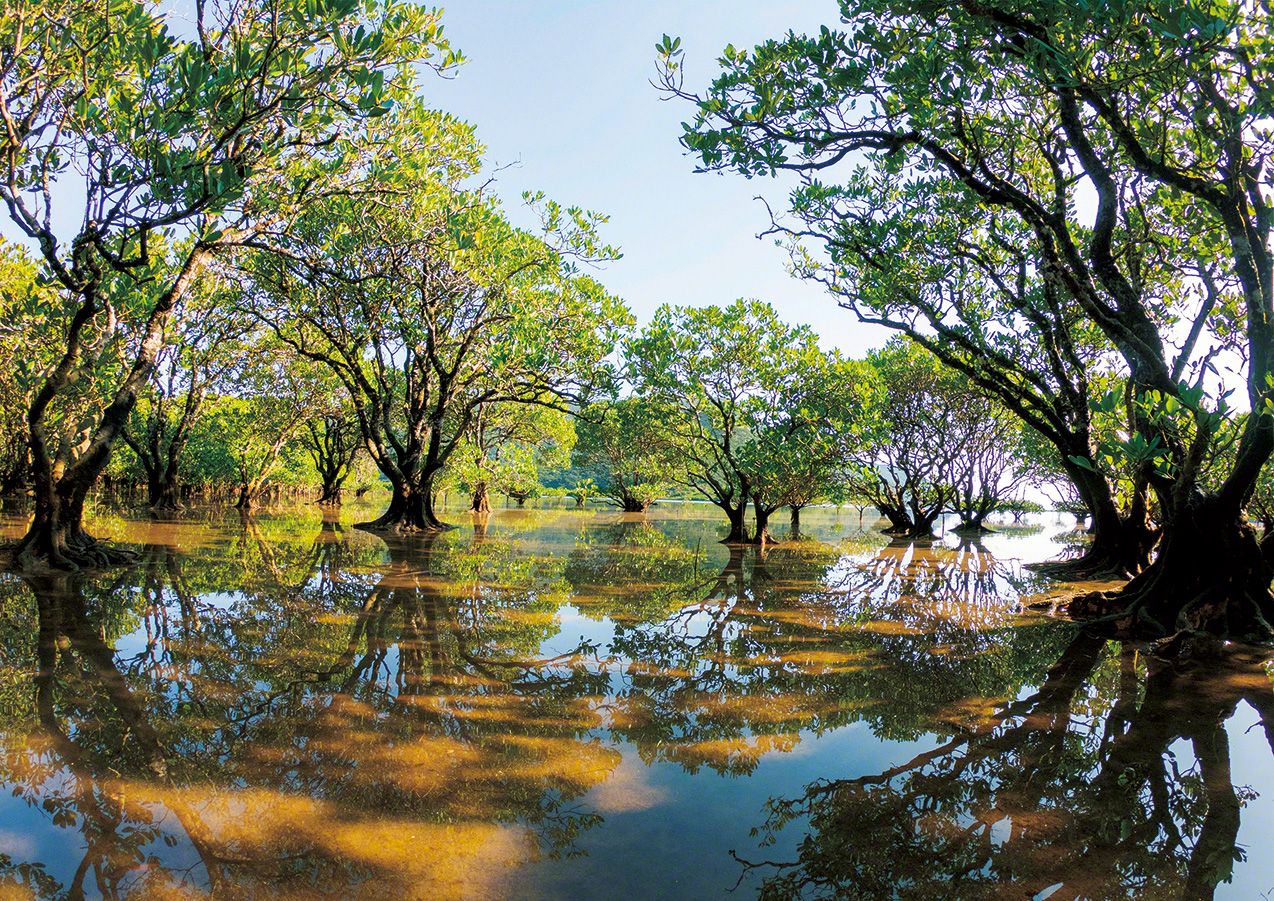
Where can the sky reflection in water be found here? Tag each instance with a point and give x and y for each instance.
(565, 704)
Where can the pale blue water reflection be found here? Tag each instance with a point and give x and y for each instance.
(578, 704)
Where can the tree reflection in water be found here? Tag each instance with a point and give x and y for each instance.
(1078, 788)
(722, 668)
(260, 714)
(422, 750)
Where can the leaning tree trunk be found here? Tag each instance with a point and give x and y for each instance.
(56, 537)
(56, 534)
(1210, 575)
(1121, 545)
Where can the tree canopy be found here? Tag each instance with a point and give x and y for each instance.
(1120, 152)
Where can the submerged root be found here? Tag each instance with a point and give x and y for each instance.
(73, 555)
(399, 527)
(1157, 609)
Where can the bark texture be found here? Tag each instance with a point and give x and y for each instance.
(410, 511)
(1210, 576)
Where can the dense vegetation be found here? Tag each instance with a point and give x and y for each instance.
(290, 274)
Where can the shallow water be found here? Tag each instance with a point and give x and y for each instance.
(568, 704)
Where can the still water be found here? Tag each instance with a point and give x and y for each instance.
(563, 704)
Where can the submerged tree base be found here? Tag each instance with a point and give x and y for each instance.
(408, 514)
(1104, 560)
(1210, 576)
(43, 550)
(972, 528)
(911, 534)
(383, 525)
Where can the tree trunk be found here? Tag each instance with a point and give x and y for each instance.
(763, 513)
(738, 533)
(1121, 546)
(899, 520)
(762, 536)
(247, 498)
(972, 525)
(166, 494)
(1210, 576)
(481, 499)
(631, 504)
(922, 524)
(410, 510)
(162, 490)
(56, 536)
(330, 495)
(794, 524)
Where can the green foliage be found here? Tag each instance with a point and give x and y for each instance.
(621, 447)
(749, 404)
(182, 146)
(509, 446)
(173, 132)
(432, 310)
(29, 348)
(1043, 195)
(932, 443)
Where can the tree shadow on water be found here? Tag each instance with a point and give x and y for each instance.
(369, 737)
(1111, 780)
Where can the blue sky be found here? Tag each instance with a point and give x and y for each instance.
(560, 93)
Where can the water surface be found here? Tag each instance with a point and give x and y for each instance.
(560, 704)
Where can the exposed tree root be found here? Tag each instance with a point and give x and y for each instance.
(1097, 563)
(1210, 577)
(1221, 612)
(72, 553)
(403, 528)
(1082, 569)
